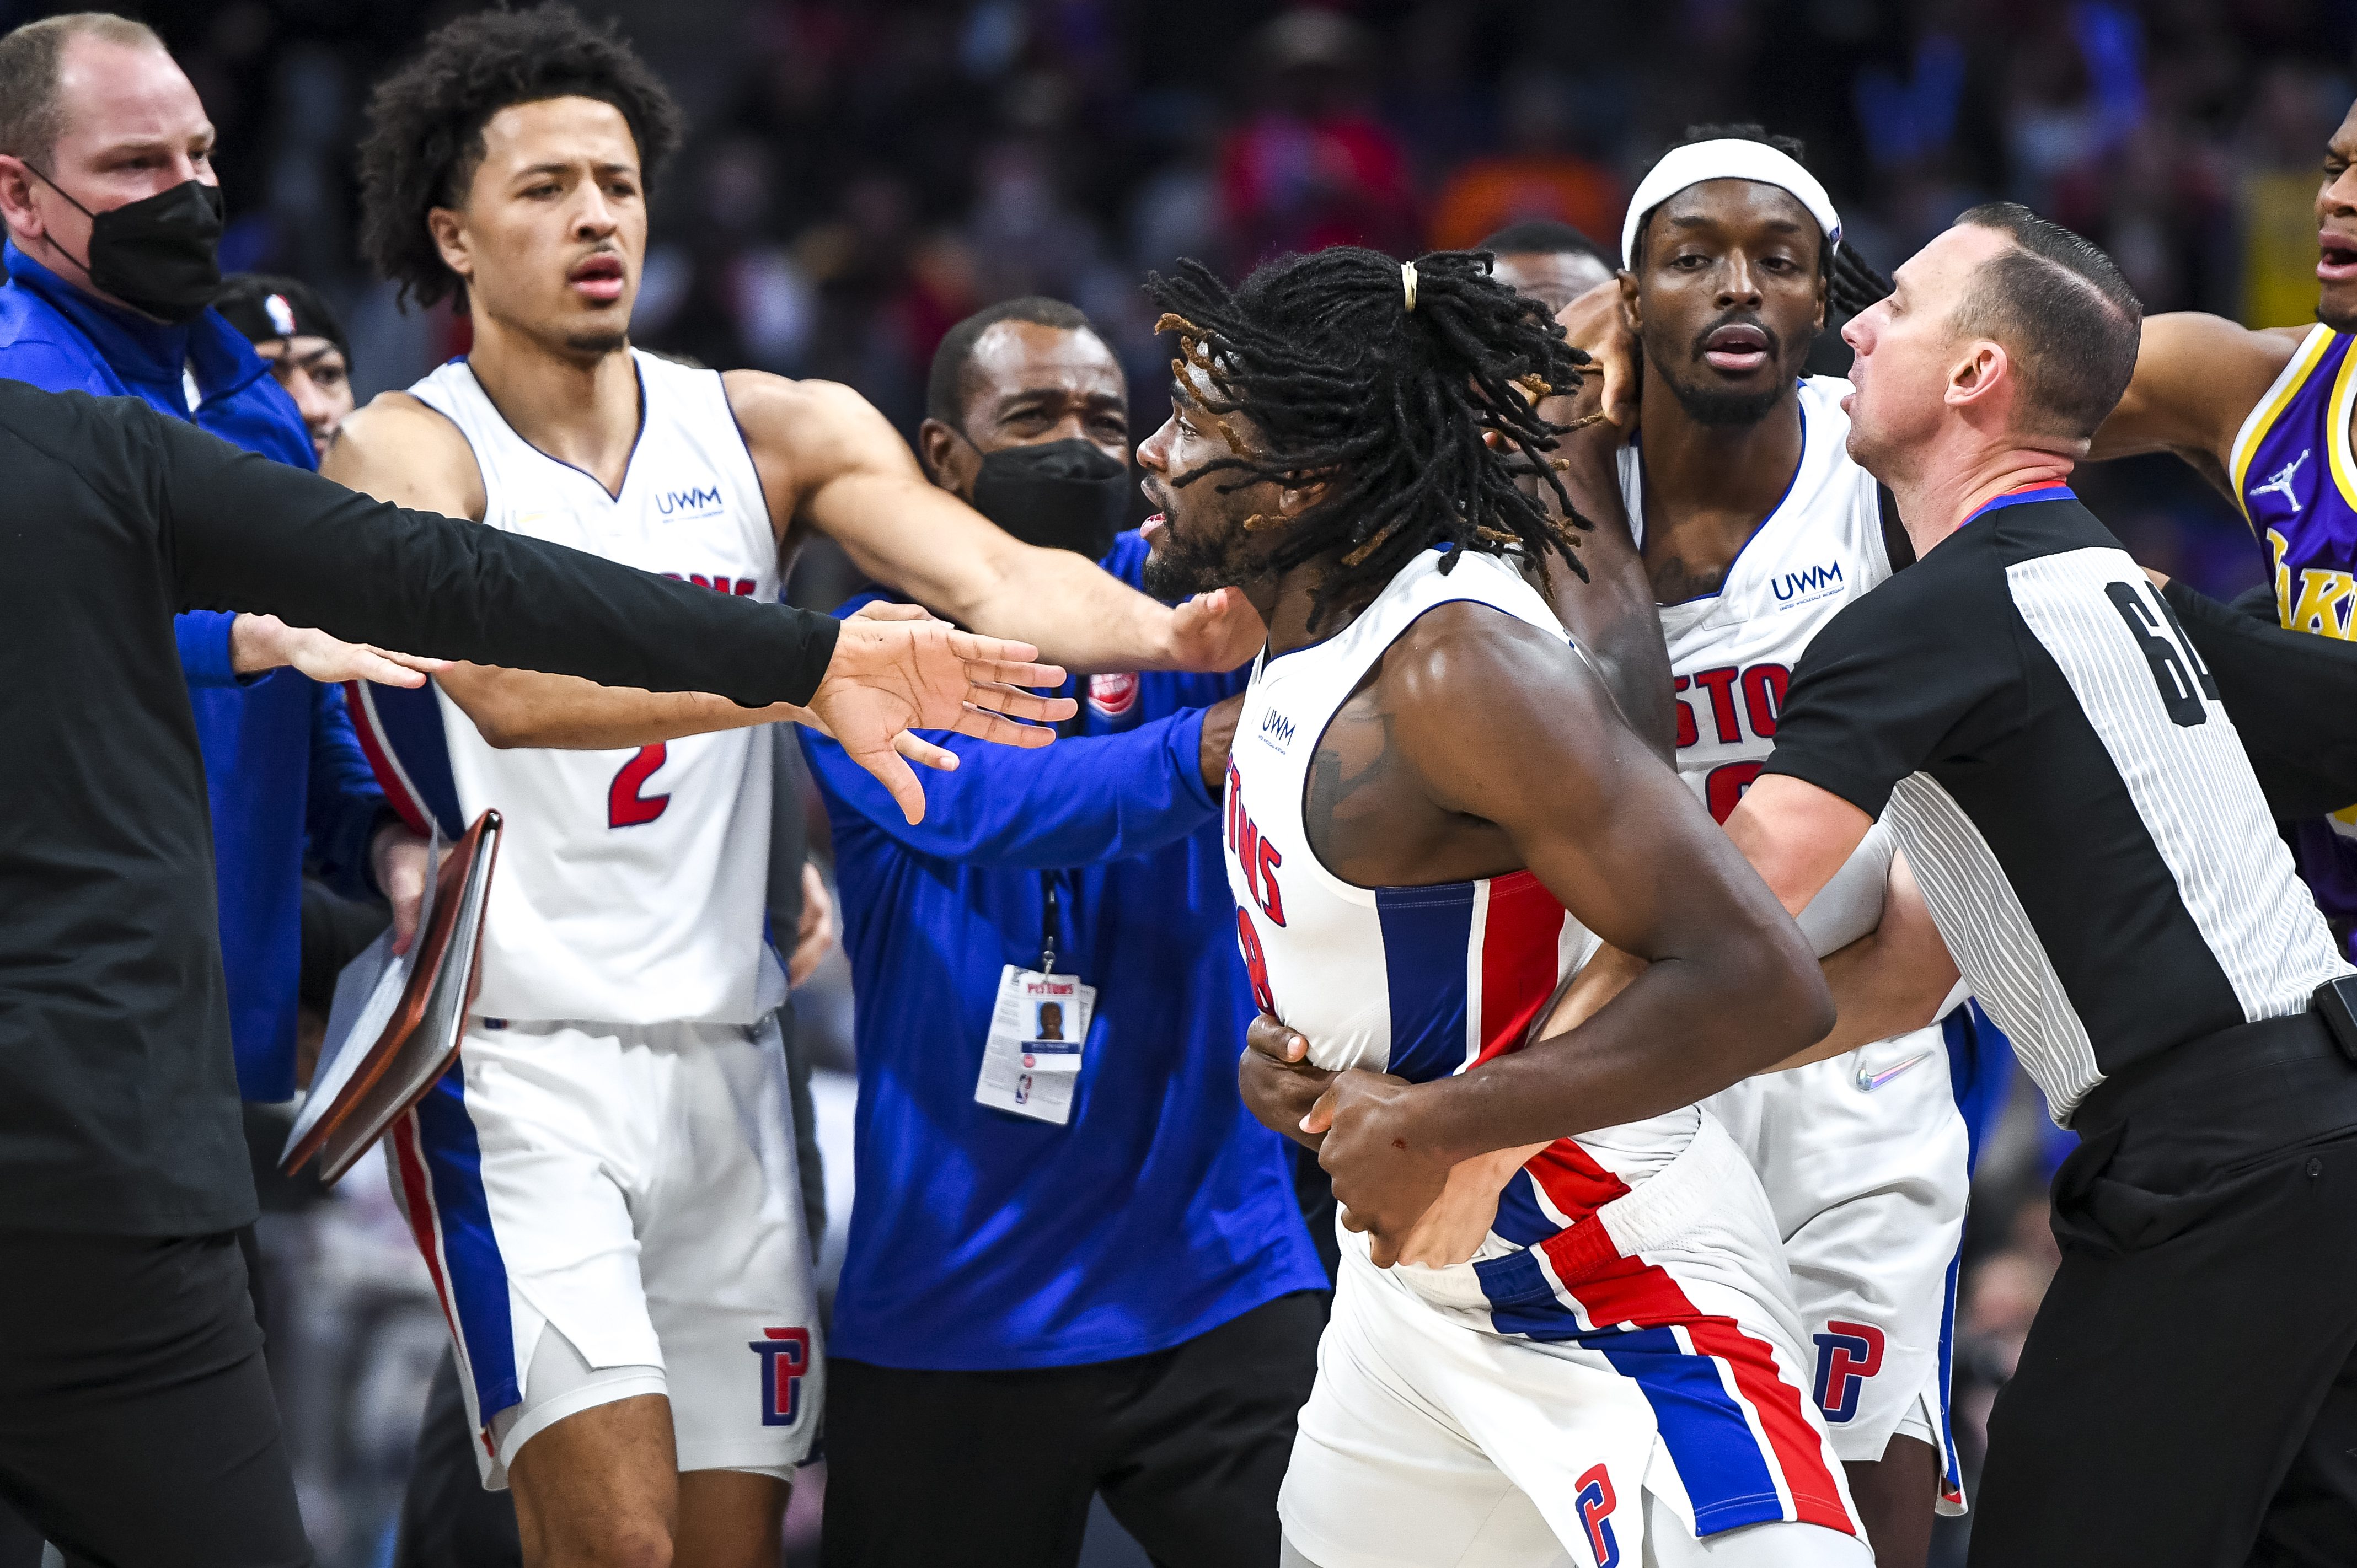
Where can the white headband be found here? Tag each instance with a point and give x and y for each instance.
(1731, 158)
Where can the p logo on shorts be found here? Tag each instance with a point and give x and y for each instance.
(1847, 1353)
(1595, 1502)
(785, 1356)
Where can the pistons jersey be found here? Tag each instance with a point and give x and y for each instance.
(631, 883)
(1419, 982)
(1732, 652)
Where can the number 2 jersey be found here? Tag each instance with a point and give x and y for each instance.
(630, 883)
(1425, 980)
(1732, 653)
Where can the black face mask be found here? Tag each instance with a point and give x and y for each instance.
(159, 256)
(1060, 495)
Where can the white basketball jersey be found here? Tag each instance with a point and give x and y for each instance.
(1421, 981)
(1732, 653)
(631, 884)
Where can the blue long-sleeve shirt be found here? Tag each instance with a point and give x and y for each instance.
(986, 1241)
(280, 755)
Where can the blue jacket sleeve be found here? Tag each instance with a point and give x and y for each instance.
(203, 637)
(344, 805)
(1076, 802)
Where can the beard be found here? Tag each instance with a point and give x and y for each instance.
(1718, 407)
(1177, 571)
(1182, 565)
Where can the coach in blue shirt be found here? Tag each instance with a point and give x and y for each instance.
(113, 215)
(1123, 1302)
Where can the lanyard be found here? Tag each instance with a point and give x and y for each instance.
(1052, 900)
(1051, 883)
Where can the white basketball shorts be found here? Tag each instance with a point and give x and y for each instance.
(610, 1210)
(1862, 1157)
(1669, 1392)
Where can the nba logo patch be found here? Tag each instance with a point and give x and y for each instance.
(281, 314)
(1113, 695)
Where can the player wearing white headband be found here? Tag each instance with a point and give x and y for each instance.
(1755, 528)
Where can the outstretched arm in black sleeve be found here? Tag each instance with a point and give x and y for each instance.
(2292, 695)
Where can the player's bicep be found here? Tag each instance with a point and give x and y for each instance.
(858, 483)
(1640, 863)
(2196, 377)
(1541, 751)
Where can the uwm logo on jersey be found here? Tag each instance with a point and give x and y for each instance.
(1732, 706)
(1811, 582)
(697, 500)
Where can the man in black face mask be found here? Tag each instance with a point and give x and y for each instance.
(1072, 1272)
(1027, 419)
(113, 215)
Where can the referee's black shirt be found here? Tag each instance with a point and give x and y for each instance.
(2075, 801)
(118, 1096)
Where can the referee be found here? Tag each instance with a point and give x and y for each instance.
(136, 1424)
(2029, 715)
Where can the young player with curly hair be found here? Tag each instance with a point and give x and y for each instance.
(605, 1190)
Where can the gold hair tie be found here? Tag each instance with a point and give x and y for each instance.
(1407, 283)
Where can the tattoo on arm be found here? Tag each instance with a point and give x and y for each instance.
(1330, 813)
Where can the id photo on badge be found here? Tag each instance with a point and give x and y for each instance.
(1051, 1046)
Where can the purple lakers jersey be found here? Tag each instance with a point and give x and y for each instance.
(2297, 480)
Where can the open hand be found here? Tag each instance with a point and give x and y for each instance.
(897, 669)
(1214, 632)
(265, 642)
(1594, 322)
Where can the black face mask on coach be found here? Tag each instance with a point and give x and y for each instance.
(159, 256)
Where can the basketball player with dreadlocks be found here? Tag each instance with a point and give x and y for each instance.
(1757, 527)
(1431, 802)
(604, 1187)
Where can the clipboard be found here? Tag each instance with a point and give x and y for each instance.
(407, 1014)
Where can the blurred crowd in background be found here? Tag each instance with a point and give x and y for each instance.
(863, 173)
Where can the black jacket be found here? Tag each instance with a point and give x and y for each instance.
(118, 1095)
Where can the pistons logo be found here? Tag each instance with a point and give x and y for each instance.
(1113, 695)
(785, 1358)
(1595, 1502)
(1847, 1353)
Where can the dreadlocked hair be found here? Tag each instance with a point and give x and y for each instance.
(1386, 403)
(1855, 287)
